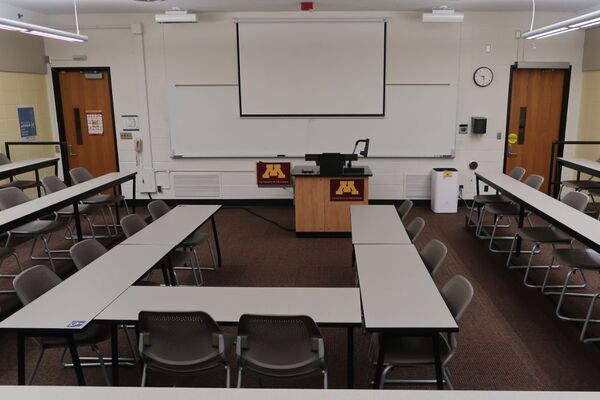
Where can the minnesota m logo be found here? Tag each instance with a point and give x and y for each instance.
(347, 187)
(273, 170)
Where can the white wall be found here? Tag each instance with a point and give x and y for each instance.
(142, 65)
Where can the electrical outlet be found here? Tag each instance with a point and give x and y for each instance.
(486, 188)
(159, 189)
(499, 136)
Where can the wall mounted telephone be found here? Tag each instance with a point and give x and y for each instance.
(137, 145)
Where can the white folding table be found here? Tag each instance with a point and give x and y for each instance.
(399, 297)
(175, 226)
(155, 393)
(328, 307)
(377, 224)
(23, 166)
(26, 212)
(69, 307)
(581, 226)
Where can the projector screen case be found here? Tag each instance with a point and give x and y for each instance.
(311, 67)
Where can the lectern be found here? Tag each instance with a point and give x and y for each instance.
(324, 193)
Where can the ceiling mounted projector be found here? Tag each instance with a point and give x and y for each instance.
(175, 16)
(443, 15)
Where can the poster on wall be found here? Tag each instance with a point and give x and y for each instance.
(27, 122)
(95, 123)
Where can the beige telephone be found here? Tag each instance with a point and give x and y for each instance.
(137, 145)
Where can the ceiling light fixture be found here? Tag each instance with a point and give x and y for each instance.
(569, 25)
(443, 14)
(39, 30)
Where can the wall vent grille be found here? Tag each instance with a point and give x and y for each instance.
(197, 185)
(417, 186)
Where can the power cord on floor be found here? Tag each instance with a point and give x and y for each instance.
(277, 224)
(460, 196)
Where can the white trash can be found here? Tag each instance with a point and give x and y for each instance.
(444, 190)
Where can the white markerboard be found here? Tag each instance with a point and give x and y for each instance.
(419, 121)
(311, 66)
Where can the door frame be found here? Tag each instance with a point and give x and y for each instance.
(564, 107)
(59, 107)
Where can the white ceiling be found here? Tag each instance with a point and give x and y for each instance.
(124, 6)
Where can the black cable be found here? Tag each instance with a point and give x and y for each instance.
(277, 224)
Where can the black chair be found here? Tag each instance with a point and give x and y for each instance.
(34, 282)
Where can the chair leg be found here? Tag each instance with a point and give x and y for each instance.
(239, 377)
(383, 375)
(588, 320)
(36, 366)
(227, 377)
(48, 252)
(195, 267)
(325, 381)
(102, 365)
(129, 342)
(447, 378)
(144, 376)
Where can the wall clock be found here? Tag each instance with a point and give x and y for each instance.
(483, 76)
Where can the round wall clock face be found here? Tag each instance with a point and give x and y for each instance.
(483, 76)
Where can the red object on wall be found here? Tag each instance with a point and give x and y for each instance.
(307, 5)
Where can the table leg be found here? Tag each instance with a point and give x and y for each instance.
(380, 356)
(77, 221)
(521, 222)
(114, 345)
(439, 376)
(350, 343)
(117, 192)
(21, 358)
(133, 195)
(76, 361)
(37, 180)
(216, 236)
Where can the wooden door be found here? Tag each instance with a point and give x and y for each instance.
(85, 101)
(535, 119)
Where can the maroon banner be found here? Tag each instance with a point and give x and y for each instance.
(273, 174)
(347, 189)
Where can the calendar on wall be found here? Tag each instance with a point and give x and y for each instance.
(95, 122)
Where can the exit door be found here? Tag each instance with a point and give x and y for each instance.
(536, 117)
(85, 118)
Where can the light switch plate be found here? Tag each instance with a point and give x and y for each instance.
(126, 135)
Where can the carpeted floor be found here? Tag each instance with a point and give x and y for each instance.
(509, 337)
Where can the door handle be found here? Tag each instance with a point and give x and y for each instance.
(71, 154)
(510, 153)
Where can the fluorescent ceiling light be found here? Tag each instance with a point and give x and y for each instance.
(175, 16)
(38, 30)
(581, 22)
(443, 15)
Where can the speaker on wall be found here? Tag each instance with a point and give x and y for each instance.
(478, 125)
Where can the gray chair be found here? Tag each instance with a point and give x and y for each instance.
(540, 235)
(182, 343)
(133, 223)
(53, 184)
(413, 351)
(480, 200)
(16, 183)
(280, 346)
(38, 229)
(34, 282)
(158, 208)
(404, 209)
(415, 228)
(433, 254)
(80, 175)
(6, 252)
(508, 210)
(578, 260)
